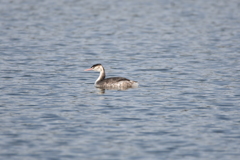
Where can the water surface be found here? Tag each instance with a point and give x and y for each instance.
(184, 54)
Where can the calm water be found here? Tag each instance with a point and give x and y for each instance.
(184, 54)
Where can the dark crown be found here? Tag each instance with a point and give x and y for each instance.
(95, 65)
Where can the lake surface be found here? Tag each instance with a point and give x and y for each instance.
(184, 54)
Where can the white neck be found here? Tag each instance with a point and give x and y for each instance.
(101, 76)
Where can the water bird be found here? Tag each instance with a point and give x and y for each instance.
(118, 83)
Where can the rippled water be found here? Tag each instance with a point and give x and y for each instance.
(184, 54)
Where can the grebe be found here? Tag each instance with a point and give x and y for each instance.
(119, 83)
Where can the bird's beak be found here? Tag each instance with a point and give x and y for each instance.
(89, 69)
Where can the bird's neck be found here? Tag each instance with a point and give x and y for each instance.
(101, 76)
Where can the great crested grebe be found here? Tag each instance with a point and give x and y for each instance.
(113, 82)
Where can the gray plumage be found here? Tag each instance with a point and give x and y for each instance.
(119, 83)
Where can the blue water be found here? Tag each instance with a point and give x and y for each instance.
(184, 54)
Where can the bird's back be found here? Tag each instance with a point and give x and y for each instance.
(116, 82)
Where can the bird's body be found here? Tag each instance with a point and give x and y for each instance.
(113, 82)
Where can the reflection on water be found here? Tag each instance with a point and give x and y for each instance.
(184, 54)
